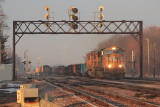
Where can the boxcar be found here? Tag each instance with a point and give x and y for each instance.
(83, 69)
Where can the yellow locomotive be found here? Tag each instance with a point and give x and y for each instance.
(107, 63)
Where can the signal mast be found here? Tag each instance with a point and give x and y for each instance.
(73, 11)
(27, 64)
(101, 16)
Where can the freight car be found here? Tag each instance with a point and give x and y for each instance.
(59, 70)
(45, 70)
(76, 70)
(107, 63)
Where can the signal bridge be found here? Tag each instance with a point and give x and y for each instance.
(135, 28)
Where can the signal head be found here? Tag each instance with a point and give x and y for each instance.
(74, 25)
(75, 10)
(101, 8)
(101, 24)
(75, 18)
(101, 16)
(46, 24)
(46, 16)
(47, 8)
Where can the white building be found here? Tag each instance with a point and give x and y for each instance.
(5, 72)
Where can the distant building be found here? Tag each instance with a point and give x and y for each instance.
(5, 72)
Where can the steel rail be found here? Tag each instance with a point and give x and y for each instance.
(126, 99)
(90, 98)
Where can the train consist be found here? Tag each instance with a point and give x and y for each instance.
(106, 63)
(72, 70)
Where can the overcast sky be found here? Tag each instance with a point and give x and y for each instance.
(70, 49)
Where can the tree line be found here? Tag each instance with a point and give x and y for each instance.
(4, 58)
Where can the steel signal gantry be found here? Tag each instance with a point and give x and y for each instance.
(135, 28)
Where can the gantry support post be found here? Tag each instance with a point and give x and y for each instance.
(14, 55)
(141, 50)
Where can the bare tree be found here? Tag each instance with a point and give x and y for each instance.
(3, 37)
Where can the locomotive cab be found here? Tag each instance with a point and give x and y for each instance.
(113, 63)
(107, 63)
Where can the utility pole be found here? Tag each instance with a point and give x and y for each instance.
(154, 65)
(148, 56)
(95, 16)
(0, 53)
(0, 43)
(133, 63)
(64, 55)
(38, 65)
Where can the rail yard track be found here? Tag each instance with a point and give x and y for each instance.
(93, 91)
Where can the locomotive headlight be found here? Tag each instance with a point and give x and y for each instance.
(109, 66)
(113, 48)
(120, 66)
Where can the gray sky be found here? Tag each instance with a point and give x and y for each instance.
(69, 49)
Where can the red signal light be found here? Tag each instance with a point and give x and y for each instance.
(75, 10)
(75, 18)
(74, 26)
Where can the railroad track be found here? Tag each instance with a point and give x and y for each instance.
(101, 98)
(94, 99)
(143, 79)
(124, 99)
(102, 83)
(145, 90)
